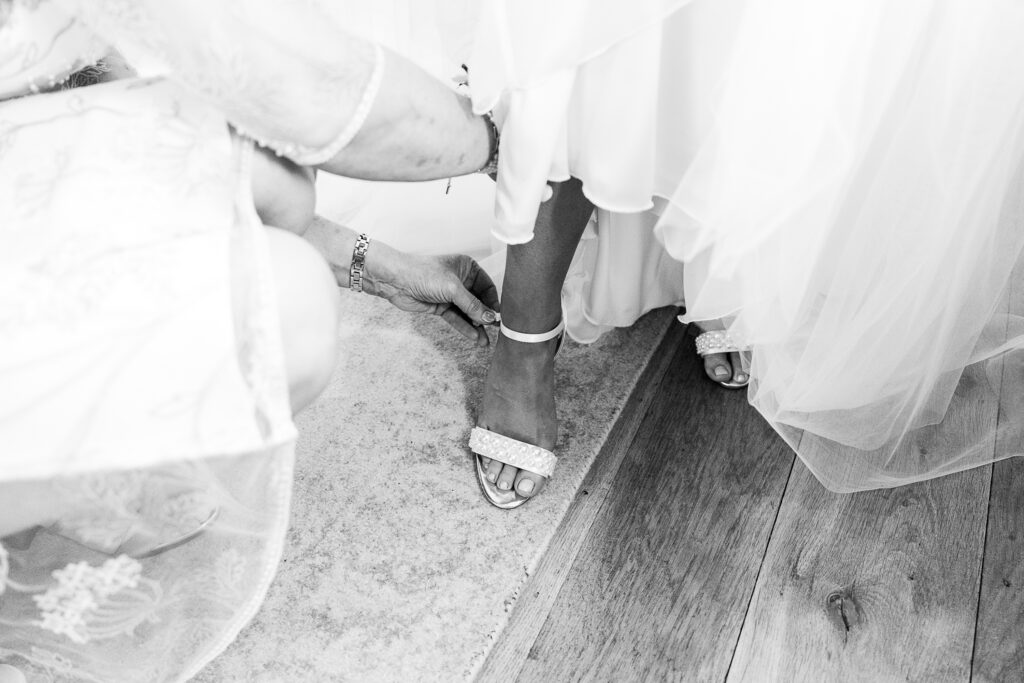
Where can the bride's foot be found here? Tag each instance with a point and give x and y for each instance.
(722, 364)
(725, 367)
(519, 402)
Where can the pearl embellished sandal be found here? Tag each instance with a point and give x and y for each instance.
(519, 454)
(709, 343)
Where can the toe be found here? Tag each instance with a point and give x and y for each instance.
(739, 373)
(507, 478)
(718, 367)
(492, 470)
(528, 484)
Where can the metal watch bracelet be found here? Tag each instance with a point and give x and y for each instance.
(355, 270)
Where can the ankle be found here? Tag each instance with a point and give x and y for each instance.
(531, 319)
(527, 360)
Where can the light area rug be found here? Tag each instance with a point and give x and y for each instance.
(395, 568)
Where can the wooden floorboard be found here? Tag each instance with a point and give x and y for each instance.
(874, 586)
(999, 641)
(509, 654)
(999, 638)
(661, 582)
(697, 551)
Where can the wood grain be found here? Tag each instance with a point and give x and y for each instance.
(873, 586)
(534, 604)
(660, 585)
(999, 639)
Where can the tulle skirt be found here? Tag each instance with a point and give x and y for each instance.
(144, 407)
(855, 213)
(837, 181)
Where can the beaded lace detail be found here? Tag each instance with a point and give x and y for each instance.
(716, 342)
(522, 455)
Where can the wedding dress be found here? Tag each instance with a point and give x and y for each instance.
(144, 406)
(840, 182)
(855, 211)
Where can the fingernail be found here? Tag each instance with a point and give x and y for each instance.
(720, 371)
(503, 485)
(488, 316)
(525, 486)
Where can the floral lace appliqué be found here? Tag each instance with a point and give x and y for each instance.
(94, 602)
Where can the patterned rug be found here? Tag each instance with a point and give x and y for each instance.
(395, 567)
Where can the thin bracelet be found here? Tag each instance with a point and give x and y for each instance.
(355, 270)
(494, 139)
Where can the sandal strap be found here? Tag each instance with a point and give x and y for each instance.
(532, 338)
(716, 342)
(519, 454)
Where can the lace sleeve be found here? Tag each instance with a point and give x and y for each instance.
(283, 71)
(40, 46)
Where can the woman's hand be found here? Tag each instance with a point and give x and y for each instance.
(454, 287)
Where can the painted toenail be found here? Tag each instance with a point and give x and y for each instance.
(503, 485)
(741, 377)
(492, 477)
(526, 486)
(720, 371)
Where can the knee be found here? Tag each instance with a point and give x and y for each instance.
(284, 193)
(308, 311)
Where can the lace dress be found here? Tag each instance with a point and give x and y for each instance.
(144, 406)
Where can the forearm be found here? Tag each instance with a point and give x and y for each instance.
(453, 287)
(308, 87)
(336, 244)
(417, 129)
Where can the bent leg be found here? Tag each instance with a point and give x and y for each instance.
(284, 193)
(307, 301)
(284, 196)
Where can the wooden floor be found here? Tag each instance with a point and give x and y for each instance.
(698, 549)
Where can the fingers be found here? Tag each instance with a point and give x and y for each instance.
(484, 288)
(464, 327)
(455, 288)
(472, 307)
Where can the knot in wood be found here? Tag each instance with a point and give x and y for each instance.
(843, 610)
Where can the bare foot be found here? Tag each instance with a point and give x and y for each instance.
(725, 367)
(519, 402)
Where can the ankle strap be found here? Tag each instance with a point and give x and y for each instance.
(532, 338)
